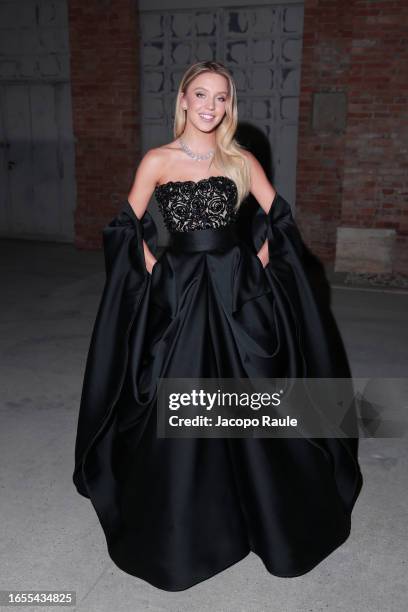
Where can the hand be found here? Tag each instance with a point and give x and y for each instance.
(150, 265)
(263, 254)
(263, 259)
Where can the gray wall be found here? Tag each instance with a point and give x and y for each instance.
(37, 170)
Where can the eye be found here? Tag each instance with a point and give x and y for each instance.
(200, 93)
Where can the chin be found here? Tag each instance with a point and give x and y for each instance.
(204, 127)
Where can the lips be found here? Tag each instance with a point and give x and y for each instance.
(207, 118)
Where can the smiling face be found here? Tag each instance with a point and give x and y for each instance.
(205, 100)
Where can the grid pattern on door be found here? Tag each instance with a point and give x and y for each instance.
(261, 45)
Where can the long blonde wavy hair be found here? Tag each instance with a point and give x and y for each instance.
(228, 152)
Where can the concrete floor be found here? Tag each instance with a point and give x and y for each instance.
(50, 536)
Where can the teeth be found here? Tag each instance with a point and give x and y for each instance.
(207, 116)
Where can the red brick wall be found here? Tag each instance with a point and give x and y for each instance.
(358, 177)
(104, 50)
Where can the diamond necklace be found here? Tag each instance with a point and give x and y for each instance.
(196, 156)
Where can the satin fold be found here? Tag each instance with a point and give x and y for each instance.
(177, 511)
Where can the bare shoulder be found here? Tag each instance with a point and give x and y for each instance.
(162, 158)
(151, 159)
(148, 169)
(148, 174)
(169, 146)
(261, 187)
(253, 162)
(144, 181)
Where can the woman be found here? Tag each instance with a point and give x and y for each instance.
(177, 511)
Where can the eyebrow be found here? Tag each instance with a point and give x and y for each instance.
(224, 92)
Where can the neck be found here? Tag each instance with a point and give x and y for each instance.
(199, 142)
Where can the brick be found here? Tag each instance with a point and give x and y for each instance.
(361, 176)
(106, 110)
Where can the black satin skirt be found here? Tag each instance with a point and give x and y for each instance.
(177, 511)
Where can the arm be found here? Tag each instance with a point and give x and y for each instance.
(264, 193)
(141, 191)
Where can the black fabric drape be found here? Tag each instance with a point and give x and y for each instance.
(176, 511)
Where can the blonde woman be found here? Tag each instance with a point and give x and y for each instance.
(177, 510)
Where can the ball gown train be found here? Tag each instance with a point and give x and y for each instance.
(177, 511)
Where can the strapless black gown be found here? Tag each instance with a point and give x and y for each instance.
(177, 511)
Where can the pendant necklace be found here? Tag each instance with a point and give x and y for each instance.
(196, 156)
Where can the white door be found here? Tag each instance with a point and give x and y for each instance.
(36, 163)
(37, 157)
